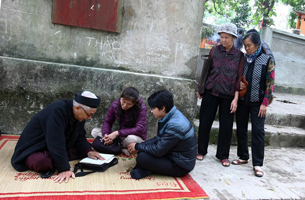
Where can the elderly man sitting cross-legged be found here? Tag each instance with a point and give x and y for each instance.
(56, 135)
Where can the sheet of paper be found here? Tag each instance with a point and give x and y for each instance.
(108, 158)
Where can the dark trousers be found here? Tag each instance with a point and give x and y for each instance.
(208, 109)
(257, 135)
(159, 165)
(42, 161)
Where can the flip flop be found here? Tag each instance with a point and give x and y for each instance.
(258, 172)
(225, 162)
(199, 157)
(239, 162)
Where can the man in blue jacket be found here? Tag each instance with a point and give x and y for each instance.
(56, 135)
(173, 151)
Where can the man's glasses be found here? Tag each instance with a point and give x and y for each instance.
(88, 115)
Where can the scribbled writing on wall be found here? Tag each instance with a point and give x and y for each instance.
(107, 47)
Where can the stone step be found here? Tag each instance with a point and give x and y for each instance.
(275, 135)
(285, 110)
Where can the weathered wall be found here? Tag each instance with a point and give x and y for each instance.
(41, 62)
(288, 50)
(39, 83)
(159, 37)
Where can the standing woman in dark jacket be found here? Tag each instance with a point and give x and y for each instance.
(221, 92)
(173, 151)
(131, 114)
(259, 72)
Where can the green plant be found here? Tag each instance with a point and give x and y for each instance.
(207, 32)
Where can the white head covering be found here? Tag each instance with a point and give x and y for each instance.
(228, 28)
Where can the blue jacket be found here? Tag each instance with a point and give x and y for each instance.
(176, 140)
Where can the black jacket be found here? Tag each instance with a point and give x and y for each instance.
(255, 73)
(53, 129)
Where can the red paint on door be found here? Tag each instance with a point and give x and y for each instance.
(94, 14)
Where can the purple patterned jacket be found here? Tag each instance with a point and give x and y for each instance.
(226, 72)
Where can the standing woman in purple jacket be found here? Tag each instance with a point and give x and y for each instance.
(131, 114)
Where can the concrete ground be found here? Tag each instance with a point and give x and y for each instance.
(284, 164)
(284, 176)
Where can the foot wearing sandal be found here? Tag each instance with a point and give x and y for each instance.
(239, 162)
(199, 157)
(225, 162)
(258, 171)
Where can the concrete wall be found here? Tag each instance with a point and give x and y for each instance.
(41, 62)
(159, 37)
(288, 50)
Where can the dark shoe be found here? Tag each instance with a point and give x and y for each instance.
(239, 162)
(47, 174)
(225, 162)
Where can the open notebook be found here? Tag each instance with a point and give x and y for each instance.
(108, 159)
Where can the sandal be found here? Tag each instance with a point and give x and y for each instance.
(199, 157)
(225, 162)
(258, 171)
(239, 162)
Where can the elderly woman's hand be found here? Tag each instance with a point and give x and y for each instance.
(242, 85)
(198, 95)
(262, 111)
(233, 107)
